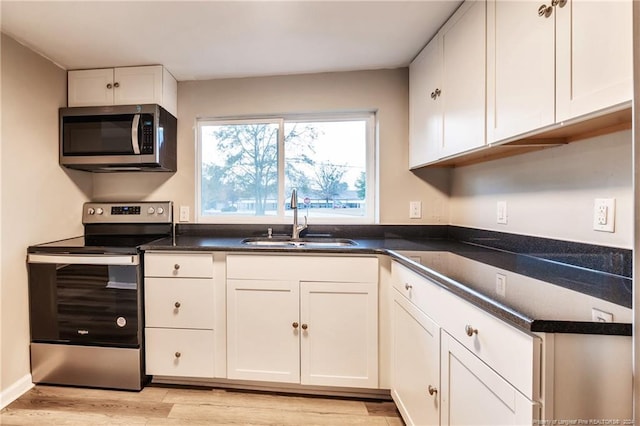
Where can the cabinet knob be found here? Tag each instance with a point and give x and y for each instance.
(305, 326)
(176, 266)
(545, 11)
(432, 390)
(558, 3)
(109, 85)
(177, 305)
(294, 325)
(178, 354)
(470, 330)
(435, 94)
(116, 84)
(407, 286)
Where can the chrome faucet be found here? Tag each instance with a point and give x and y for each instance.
(295, 233)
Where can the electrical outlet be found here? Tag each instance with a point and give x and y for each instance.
(601, 316)
(184, 214)
(415, 209)
(501, 285)
(501, 212)
(604, 214)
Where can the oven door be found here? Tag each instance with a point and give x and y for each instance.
(85, 299)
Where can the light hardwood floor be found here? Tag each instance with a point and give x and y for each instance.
(156, 405)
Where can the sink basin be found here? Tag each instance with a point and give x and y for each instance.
(319, 242)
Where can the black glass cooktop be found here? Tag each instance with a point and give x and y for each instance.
(96, 244)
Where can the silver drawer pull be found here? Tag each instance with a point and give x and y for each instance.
(432, 390)
(178, 354)
(177, 305)
(407, 286)
(470, 330)
(176, 266)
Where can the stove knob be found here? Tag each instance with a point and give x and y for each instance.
(151, 210)
(160, 210)
(99, 210)
(91, 211)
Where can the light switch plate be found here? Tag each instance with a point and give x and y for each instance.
(184, 214)
(501, 212)
(415, 209)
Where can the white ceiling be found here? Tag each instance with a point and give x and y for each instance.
(198, 40)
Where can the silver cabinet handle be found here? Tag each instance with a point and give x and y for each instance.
(470, 330)
(176, 266)
(407, 286)
(116, 84)
(177, 305)
(545, 11)
(109, 85)
(305, 326)
(294, 325)
(178, 354)
(432, 390)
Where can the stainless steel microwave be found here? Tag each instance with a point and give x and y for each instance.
(118, 138)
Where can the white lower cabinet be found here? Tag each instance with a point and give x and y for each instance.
(437, 380)
(303, 319)
(416, 366)
(473, 394)
(180, 312)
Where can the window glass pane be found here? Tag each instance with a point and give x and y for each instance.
(326, 162)
(239, 169)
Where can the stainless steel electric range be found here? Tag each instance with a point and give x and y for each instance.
(86, 296)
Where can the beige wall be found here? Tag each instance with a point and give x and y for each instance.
(40, 201)
(550, 193)
(385, 91)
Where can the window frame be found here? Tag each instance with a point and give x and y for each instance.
(371, 197)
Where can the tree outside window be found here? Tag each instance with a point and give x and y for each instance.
(248, 169)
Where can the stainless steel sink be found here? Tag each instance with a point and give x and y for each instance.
(310, 242)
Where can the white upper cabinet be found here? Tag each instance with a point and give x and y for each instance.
(425, 111)
(520, 68)
(123, 86)
(594, 55)
(463, 79)
(447, 89)
(550, 63)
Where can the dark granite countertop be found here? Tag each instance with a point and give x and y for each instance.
(542, 295)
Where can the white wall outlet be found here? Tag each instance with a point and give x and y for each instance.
(415, 209)
(601, 316)
(184, 214)
(501, 285)
(501, 212)
(604, 214)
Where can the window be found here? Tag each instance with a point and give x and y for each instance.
(247, 169)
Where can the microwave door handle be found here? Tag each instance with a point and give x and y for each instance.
(134, 134)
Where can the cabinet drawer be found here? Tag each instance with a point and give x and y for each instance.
(186, 265)
(512, 353)
(176, 352)
(423, 293)
(179, 303)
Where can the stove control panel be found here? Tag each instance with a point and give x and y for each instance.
(128, 212)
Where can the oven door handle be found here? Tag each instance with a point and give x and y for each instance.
(101, 259)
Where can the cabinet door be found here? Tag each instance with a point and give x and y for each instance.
(138, 85)
(262, 339)
(425, 112)
(415, 374)
(593, 56)
(474, 394)
(520, 69)
(463, 79)
(90, 87)
(339, 334)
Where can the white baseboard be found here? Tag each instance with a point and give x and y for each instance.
(16, 390)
